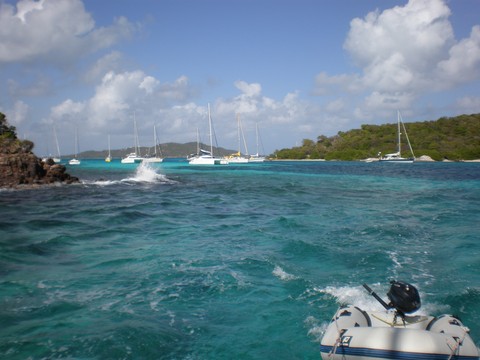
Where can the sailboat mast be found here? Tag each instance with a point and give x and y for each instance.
(210, 129)
(198, 143)
(243, 136)
(76, 142)
(56, 141)
(406, 135)
(238, 133)
(136, 143)
(155, 139)
(399, 134)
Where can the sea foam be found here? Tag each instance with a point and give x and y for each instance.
(146, 174)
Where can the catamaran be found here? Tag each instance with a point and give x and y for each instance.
(256, 158)
(238, 158)
(75, 161)
(397, 156)
(57, 158)
(134, 157)
(204, 157)
(157, 157)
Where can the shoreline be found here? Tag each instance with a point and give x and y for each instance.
(376, 160)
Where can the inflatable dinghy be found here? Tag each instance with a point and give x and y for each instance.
(355, 334)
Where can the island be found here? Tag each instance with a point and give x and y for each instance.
(21, 168)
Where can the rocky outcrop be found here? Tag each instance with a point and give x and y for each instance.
(424, 158)
(19, 167)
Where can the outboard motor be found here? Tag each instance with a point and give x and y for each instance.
(403, 297)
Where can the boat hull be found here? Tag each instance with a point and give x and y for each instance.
(354, 334)
(207, 160)
(237, 160)
(132, 159)
(403, 160)
(153, 160)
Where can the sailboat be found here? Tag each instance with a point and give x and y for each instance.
(238, 158)
(57, 158)
(204, 157)
(256, 158)
(75, 161)
(157, 158)
(109, 157)
(397, 156)
(133, 157)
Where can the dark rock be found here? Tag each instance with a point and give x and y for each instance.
(20, 167)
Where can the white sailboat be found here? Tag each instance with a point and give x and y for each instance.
(204, 157)
(397, 156)
(238, 158)
(109, 157)
(75, 161)
(256, 158)
(57, 158)
(157, 157)
(134, 157)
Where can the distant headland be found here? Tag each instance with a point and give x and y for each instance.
(446, 139)
(20, 168)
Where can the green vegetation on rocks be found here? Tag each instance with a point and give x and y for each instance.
(456, 138)
(19, 167)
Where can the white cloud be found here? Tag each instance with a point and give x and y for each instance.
(250, 90)
(119, 95)
(25, 7)
(55, 31)
(403, 53)
(179, 90)
(68, 109)
(394, 101)
(335, 106)
(326, 85)
(468, 104)
(463, 64)
(109, 62)
(19, 113)
(394, 48)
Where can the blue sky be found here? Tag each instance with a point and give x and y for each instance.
(297, 68)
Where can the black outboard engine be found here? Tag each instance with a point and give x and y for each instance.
(403, 297)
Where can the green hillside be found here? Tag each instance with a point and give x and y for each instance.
(171, 150)
(455, 138)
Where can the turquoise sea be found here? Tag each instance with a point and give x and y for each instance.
(171, 261)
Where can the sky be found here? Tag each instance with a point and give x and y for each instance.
(296, 69)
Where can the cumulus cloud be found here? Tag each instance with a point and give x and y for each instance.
(249, 90)
(109, 62)
(404, 52)
(118, 96)
(53, 30)
(468, 104)
(463, 63)
(328, 85)
(19, 113)
(67, 109)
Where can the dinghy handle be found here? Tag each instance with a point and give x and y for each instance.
(379, 299)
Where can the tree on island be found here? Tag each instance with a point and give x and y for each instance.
(456, 138)
(6, 131)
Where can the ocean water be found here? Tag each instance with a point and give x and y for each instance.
(170, 261)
